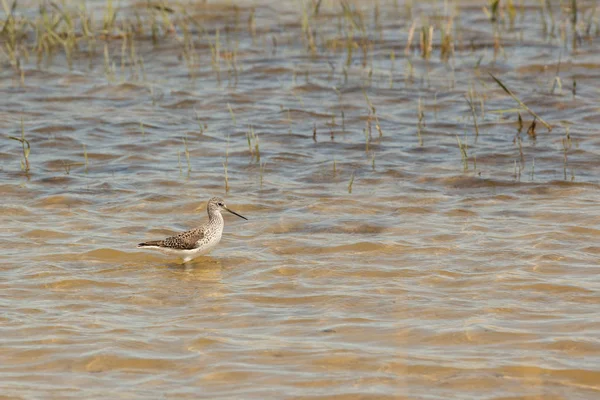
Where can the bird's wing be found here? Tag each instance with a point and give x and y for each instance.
(183, 241)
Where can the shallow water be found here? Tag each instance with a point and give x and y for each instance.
(432, 278)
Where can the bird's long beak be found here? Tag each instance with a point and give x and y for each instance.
(234, 213)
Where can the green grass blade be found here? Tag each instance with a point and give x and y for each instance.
(511, 94)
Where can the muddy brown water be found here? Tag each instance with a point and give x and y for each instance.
(434, 277)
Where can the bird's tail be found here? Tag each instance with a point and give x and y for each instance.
(152, 243)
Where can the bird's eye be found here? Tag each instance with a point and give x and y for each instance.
(221, 204)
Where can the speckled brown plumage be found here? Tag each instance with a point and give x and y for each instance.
(198, 241)
(184, 241)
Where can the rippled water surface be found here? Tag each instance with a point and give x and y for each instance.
(400, 243)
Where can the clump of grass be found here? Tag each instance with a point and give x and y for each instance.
(498, 48)
(447, 46)
(351, 25)
(317, 7)
(478, 63)
(232, 114)
(426, 41)
(512, 13)
(421, 121)
(226, 177)
(253, 145)
(372, 115)
(529, 110)
(189, 51)
(519, 143)
(109, 66)
(215, 49)
(350, 183)
(531, 129)
(411, 34)
(25, 167)
(201, 126)
(469, 98)
(307, 30)
(67, 166)
(557, 82)
(494, 10)
(463, 147)
(252, 25)
(567, 144)
(110, 16)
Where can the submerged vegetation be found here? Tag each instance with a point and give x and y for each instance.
(402, 46)
(25, 167)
